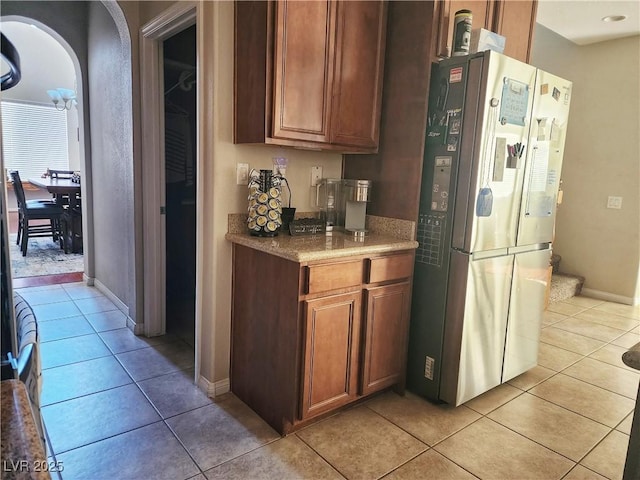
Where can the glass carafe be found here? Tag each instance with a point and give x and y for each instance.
(327, 201)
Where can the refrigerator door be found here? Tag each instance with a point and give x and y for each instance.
(544, 159)
(492, 163)
(528, 290)
(477, 307)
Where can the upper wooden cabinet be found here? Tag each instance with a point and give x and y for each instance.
(303, 86)
(359, 70)
(513, 19)
(516, 20)
(309, 74)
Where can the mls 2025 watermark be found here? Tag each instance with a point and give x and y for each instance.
(31, 466)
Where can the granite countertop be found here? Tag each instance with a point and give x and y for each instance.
(386, 235)
(631, 358)
(22, 451)
(306, 248)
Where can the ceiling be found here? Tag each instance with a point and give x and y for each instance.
(581, 20)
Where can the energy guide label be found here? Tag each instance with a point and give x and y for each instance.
(430, 239)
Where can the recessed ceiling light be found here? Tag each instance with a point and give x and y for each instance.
(614, 18)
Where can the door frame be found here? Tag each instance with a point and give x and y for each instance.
(173, 20)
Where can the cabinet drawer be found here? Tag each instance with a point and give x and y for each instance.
(331, 276)
(392, 267)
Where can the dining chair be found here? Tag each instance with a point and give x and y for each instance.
(29, 211)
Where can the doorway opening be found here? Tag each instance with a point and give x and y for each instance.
(41, 136)
(180, 116)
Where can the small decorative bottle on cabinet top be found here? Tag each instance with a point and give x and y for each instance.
(462, 32)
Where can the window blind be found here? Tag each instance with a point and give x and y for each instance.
(34, 138)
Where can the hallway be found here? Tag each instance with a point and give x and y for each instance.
(120, 406)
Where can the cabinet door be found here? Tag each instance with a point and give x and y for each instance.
(331, 348)
(482, 11)
(385, 343)
(516, 20)
(303, 66)
(359, 70)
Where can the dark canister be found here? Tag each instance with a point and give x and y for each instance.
(462, 32)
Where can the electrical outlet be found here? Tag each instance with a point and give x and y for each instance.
(316, 175)
(242, 173)
(429, 364)
(614, 202)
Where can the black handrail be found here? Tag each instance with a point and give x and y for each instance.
(10, 55)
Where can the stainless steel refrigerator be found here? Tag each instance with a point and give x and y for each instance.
(493, 156)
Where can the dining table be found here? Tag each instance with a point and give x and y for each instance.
(60, 188)
(65, 190)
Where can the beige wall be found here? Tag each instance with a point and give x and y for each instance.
(220, 194)
(112, 166)
(601, 159)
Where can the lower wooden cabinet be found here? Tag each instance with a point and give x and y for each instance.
(386, 320)
(331, 347)
(308, 338)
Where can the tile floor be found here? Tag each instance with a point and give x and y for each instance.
(120, 406)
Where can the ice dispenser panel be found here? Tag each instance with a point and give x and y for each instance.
(441, 179)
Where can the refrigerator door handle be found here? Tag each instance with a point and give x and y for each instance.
(498, 252)
(529, 248)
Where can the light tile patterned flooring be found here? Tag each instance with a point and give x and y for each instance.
(120, 406)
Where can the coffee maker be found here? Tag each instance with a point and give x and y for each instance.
(343, 204)
(355, 195)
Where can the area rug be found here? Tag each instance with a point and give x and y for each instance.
(44, 257)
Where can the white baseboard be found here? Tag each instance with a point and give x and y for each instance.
(136, 328)
(111, 296)
(89, 281)
(214, 389)
(609, 297)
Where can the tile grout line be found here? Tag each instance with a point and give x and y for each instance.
(431, 447)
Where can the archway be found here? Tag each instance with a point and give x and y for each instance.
(54, 137)
(98, 35)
